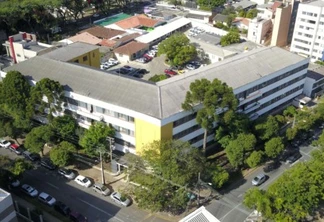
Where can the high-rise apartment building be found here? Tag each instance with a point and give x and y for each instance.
(308, 37)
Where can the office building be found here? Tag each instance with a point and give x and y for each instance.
(141, 112)
(308, 37)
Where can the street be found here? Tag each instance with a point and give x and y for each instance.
(94, 206)
(230, 207)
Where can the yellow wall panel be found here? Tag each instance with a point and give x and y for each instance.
(146, 132)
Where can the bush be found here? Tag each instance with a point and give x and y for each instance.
(157, 78)
(230, 38)
(219, 25)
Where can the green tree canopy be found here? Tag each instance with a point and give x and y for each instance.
(274, 147)
(230, 38)
(178, 49)
(62, 154)
(157, 78)
(267, 128)
(252, 13)
(65, 125)
(237, 149)
(38, 137)
(210, 3)
(95, 138)
(254, 159)
(217, 100)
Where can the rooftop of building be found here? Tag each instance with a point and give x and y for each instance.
(130, 48)
(244, 4)
(318, 3)
(200, 215)
(103, 33)
(71, 51)
(137, 21)
(315, 71)
(86, 38)
(163, 99)
(3, 194)
(163, 30)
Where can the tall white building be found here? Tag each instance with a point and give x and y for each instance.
(308, 37)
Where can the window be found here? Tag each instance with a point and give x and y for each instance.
(311, 21)
(76, 61)
(85, 58)
(100, 110)
(18, 55)
(83, 104)
(93, 54)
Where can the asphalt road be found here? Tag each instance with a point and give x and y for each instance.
(94, 206)
(230, 207)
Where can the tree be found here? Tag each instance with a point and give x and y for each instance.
(62, 154)
(19, 167)
(217, 100)
(95, 138)
(252, 13)
(174, 2)
(274, 147)
(257, 199)
(237, 149)
(178, 49)
(267, 128)
(230, 38)
(216, 175)
(48, 95)
(38, 137)
(65, 125)
(291, 133)
(242, 13)
(15, 97)
(290, 111)
(210, 3)
(254, 159)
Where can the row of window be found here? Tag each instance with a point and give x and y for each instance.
(301, 48)
(319, 83)
(100, 110)
(201, 137)
(276, 99)
(302, 41)
(186, 132)
(124, 143)
(308, 21)
(271, 81)
(184, 119)
(310, 14)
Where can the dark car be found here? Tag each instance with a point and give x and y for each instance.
(122, 71)
(77, 217)
(62, 208)
(294, 158)
(271, 166)
(31, 156)
(142, 71)
(47, 163)
(170, 72)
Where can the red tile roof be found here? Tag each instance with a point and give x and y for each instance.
(102, 32)
(137, 21)
(86, 38)
(131, 48)
(118, 41)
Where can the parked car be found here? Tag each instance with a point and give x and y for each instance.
(67, 173)
(29, 190)
(148, 57)
(46, 199)
(113, 61)
(62, 208)
(129, 68)
(190, 67)
(77, 217)
(293, 158)
(31, 156)
(170, 72)
(102, 189)
(141, 60)
(104, 67)
(271, 166)
(48, 164)
(122, 71)
(118, 198)
(14, 183)
(4, 143)
(258, 180)
(16, 149)
(83, 181)
(181, 71)
(151, 53)
(142, 71)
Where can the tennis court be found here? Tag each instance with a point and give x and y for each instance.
(111, 19)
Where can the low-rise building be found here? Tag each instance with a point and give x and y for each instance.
(7, 209)
(263, 80)
(130, 51)
(23, 46)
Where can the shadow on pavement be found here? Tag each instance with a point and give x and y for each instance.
(236, 180)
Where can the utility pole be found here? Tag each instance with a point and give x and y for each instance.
(102, 168)
(111, 141)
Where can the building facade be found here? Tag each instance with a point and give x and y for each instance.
(281, 26)
(7, 209)
(314, 83)
(141, 112)
(308, 37)
(259, 30)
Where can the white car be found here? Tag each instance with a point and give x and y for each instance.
(113, 61)
(83, 181)
(29, 190)
(118, 198)
(102, 189)
(4, 143)
(190, 67)
(46, 199)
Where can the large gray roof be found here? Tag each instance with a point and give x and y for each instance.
(163, 99)
(68, 52)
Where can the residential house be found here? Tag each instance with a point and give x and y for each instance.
(130, 51)
(85, 37)
(241, 23)
(219, 18)
(246, 5)
(259, 30)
